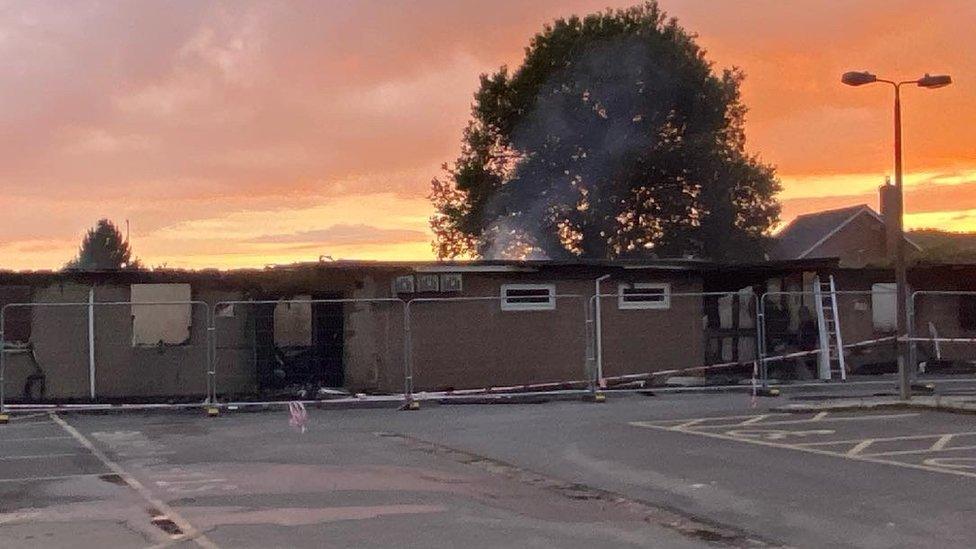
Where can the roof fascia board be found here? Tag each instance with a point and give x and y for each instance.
(473, 269)
(661, 267)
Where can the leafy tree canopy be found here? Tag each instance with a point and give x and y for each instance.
(614, 139)
(945, 246)
(103, 249)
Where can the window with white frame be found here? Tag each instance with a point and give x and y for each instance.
(528, 297)
(644, 295)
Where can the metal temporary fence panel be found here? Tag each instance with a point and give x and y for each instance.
(104, 351)
(942, 332)
(648, 334)
(527, 340)
(304, 348)
(791, 327)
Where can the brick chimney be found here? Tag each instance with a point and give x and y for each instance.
(889, 211)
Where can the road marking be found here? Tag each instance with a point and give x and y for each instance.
(824, 420)
(32, 439)
(701, 419)
(819, 416)
(925, 451)
(908, 437)
(188, 481)
(860, 446)
(941, 443)
(929, 467)
(756, 419)
(189, 531)
(42, 456)
(25, 424)
(56, 477)
(952, 462)
(776, 434)
(28, 416)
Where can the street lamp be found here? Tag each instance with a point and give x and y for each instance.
(860, 78)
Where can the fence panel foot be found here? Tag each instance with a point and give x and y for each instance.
(411, 405)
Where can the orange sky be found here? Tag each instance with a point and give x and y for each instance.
(244, 133)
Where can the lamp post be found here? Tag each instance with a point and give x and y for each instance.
(860, 78)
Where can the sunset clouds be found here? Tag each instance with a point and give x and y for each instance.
(245, 133)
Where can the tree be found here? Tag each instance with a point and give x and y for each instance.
(103, 249)
(945, 246)
(614, 139)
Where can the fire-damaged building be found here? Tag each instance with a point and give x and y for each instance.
(362, 326)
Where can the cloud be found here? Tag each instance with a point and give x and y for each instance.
(343, 235)
(247, 114)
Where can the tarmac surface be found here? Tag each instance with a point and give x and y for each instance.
(637, 471)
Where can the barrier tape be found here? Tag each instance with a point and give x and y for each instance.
(299, 416)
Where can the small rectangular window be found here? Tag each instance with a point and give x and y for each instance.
(644, 295)
(427, 283)
(528, 297)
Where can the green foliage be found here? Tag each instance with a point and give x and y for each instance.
(103, 249)
(945, 246)
(614, 139)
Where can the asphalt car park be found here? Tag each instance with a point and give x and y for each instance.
(637, 471)
(904, 439)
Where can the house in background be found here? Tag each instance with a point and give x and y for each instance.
(857, 235)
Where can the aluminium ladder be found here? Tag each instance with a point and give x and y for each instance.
(828, 324)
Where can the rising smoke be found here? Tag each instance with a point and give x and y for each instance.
(588, 124)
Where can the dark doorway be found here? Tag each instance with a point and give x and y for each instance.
(289, 365)
(327, 339)
(263, 351)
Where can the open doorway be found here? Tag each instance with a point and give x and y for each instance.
(298, 344)
(327, 340)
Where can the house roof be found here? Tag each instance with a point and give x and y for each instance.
(805, 233)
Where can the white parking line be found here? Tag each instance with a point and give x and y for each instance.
(935, 465)
(860, 446)
(42, 456)
(925, 451)
(941, 443)
(190, 533)
(33, 438)
(54, 477)
(887, 439)
(26, 425)
(756, 419)
(717, 418)
(822, 420)
(953, 462)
